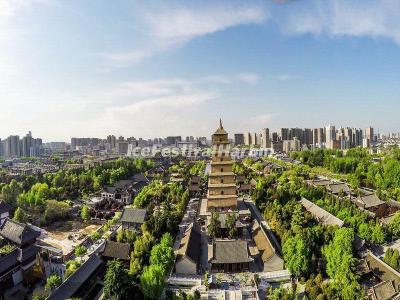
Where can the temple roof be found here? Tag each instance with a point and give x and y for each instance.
(18, 233)
(116, 250)
(191, 243)
(230, 251)
(220, 129)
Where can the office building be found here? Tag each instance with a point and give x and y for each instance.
(265, 138)
(330, 136)
(239, 139)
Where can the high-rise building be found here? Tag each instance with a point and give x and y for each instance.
(284, 134)
(265, 138)
(248, 139)
(357, 137)
(275, 137)
(27, 143)
(296, 133)
(122, 147)
(291, 145)
(319, 137)
(112, 140)
(221, 194)
(307, 137)
(255, 139)
(81, 142)
(239, 139)
(172, 140)
(12, 146)
(368, 137)
(330, 136)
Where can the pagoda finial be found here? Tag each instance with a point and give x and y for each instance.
(220, 123)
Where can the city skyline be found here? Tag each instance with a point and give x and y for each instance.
(253, 130)
(75, 69)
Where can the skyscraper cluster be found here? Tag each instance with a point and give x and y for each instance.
(294, 139)
(13, 146)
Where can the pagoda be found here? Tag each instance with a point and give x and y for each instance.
(221, 194)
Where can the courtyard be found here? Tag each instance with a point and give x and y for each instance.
(66, 235)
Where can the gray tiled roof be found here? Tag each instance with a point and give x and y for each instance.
(134, 215)
(320, 214)
(191, 243)
(384, 290)
(335, 188)
(4, 207)
(9, 260)
(230, 251)
(17, 233)
(320, 182)
(28, 252)
(369, 200)
(136, 181)
(382, 270)
(117, 250)
(72, 284)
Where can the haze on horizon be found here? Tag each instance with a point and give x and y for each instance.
(133, 68)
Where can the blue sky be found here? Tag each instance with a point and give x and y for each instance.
(154, 68)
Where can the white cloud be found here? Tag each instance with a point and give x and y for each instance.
(183, 24)
(9, 8)
(173, 27)
(249, 78)
(285, 77)
(336, 18)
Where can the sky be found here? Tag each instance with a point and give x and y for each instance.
(89, 68)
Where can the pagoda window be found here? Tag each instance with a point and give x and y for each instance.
(222, 170)
(222, 192)
(222, 181)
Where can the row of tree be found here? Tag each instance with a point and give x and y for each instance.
(360, 168)
(70, 184)
(152, 255)
(308, 247)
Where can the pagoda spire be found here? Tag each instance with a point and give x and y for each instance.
(220, 123)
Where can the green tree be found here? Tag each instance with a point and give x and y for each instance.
(141, 252)
(152, 281)
(296, 255)
(394, 260)
(230, 224)
(95, 236)
(388, 256)
(71, 267)
(11, 192)
(341, 246)
(56, 210)
(340, 264)
(364, 231)
(117, 282)
(163, 254)
(80, 251)
(36, 196)
(20, 215)
(214, 226)
(85, 213)
(378, 235)
(394, 225)
(52, 282)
